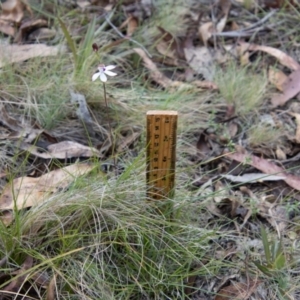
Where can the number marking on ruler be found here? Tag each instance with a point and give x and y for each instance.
(161, 153)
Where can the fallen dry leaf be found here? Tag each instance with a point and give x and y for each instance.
(252, 177)
(225, 6)
(249, 5)
(27, 191)
(201, 60)
(16, 53)
(3, 260)
(206, 30)
(41, 278)
(205, 84)
(240, 51)
(141, 9)
(203, 143)
(13, 10)
(220, 192)
(61, 150)
(234, 26)
(283, 58)
(127, 141)
(19, 131)
(27, 27)
(277, 215)
(212, 208)
(41, 34)
(2, 175)
(277, 77)
(83, 3)
(266, 167)
(278, 218)
(113, 44)
(7, 120)
(6, 217)
(51, 289)
(15, 285)
(233, 128)
(168, 47)
(163, 80)
(291, 88)
(7, 28)
(297, 135)
(280, 154)
(132, 25)
(155, 74)
(238, 290)
(221, 24)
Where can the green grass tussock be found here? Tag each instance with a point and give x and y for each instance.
(242, 87)
(103, 240)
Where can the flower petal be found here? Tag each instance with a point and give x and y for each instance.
(110, 67)
(109, 73)
(95, 76)
(103, 77)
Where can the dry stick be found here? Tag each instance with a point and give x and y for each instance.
(126, 37)
(248, 30)
(110, 133)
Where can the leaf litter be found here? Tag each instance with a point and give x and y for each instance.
(223, 162)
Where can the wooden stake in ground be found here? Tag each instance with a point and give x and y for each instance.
(161, 153)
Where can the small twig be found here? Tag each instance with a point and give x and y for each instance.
(126, 37)
(262, 21)
(242, 33)
(249, 30)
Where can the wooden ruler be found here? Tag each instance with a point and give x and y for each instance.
(161, 153)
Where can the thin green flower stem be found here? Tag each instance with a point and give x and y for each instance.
(110, 133)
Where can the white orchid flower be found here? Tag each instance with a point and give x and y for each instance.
(103, 71)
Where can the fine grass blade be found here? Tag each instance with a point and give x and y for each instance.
(85, 49)
(69, 39)
(266, 245)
